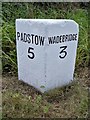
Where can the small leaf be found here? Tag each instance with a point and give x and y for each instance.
(42, 86)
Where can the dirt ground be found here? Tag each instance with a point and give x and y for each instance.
(67, 102)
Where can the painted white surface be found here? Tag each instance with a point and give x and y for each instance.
(46, 70)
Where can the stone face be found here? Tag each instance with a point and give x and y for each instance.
(46, 52)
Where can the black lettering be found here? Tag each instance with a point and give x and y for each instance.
(18, 35)
(63, 53)
(63, 38)
(66, 38)
(31, 53)
(36, 40)
(50, 40)
(54, 39)
(28, 38)
(75, 36)
(41, 40)
(58, 38)
(70, 37)
(25, 37)
(32, 37)
(21, 36)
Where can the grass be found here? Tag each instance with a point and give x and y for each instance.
(23, 101)
(12, 11)
(24, 106)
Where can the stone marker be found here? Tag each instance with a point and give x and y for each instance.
(46, 52)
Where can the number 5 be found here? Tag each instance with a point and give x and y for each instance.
(31, 54)
(63, 52)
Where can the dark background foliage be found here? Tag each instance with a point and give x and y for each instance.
(12, 11)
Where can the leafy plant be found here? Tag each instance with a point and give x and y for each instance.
(12, 11)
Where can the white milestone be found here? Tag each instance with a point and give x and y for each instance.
(46, 52)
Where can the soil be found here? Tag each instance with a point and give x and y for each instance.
(66, 102)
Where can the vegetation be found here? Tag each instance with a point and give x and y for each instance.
(21, 100)
(12, 11)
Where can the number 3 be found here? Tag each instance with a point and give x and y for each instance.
(63, 52)
(31, 54)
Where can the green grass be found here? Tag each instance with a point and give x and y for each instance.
(21, 100)
(19, 105)
(0, 102)
(12, 11)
